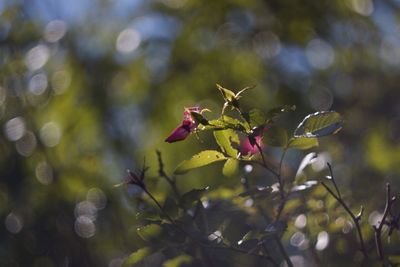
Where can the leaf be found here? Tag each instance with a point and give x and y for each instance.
(227, 94)
(224, 139)
(303, 142)
(193, 195)
(149, 232)
(251, 235)
(239, 94)
(255, 117)
(231, 167)
(307, 160)
(226, 122)
(201, 159)
(306, 185)
(178, 261)
(275, 136)
(319, 124)
(273, 113)
(136, 256)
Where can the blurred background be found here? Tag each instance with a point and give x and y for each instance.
(90, 88)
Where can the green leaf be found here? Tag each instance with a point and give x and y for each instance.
(252, 234)
(275, 136)
(226, 122)
(201, 159)
(273, 113)
(193, 195)
(231, 167)
(319, 124)
(227, 94)
(178, 261)
(149, 232)
(303, 142)
(136, 257)
(224, 139)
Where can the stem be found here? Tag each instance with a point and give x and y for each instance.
(378, 229)
(356, 219)
(333, 180)
(159, 206)
(283, 198)
(161, 172)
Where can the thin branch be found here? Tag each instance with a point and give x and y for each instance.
(378, 229)
(356, 218)
(163, 174)
(333, 180)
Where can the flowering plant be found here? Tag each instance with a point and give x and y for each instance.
(246, 227)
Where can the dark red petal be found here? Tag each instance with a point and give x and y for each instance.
(178, 134)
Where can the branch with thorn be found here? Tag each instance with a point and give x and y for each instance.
(356, 218)
(378, 228)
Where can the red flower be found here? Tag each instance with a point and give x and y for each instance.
(188, 125)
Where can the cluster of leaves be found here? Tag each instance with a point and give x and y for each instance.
(199, 226)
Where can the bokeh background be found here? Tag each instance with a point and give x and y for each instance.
(90, 88)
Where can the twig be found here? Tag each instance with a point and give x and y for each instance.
(161, 172)
(283, 199)
(378, 229)
(356, 218)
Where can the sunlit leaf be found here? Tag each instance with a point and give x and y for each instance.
(201, 159)
(136, 256)
(227, 94)
(275, 136)
(253, 234)
(304, 186)
(307, 160)
(178, 261)
(303, 143)
(319, 124)
(239, 94)
(225, 138)
(231, 167)
(149, 232)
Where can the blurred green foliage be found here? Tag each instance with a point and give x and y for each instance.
(88, 89)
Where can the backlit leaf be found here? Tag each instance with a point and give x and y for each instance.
(303, 142)
(149, 232)
(136, 257)
(224, 139)
(231, 167)
(319, 124)
(178, 261)
(201, 159)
